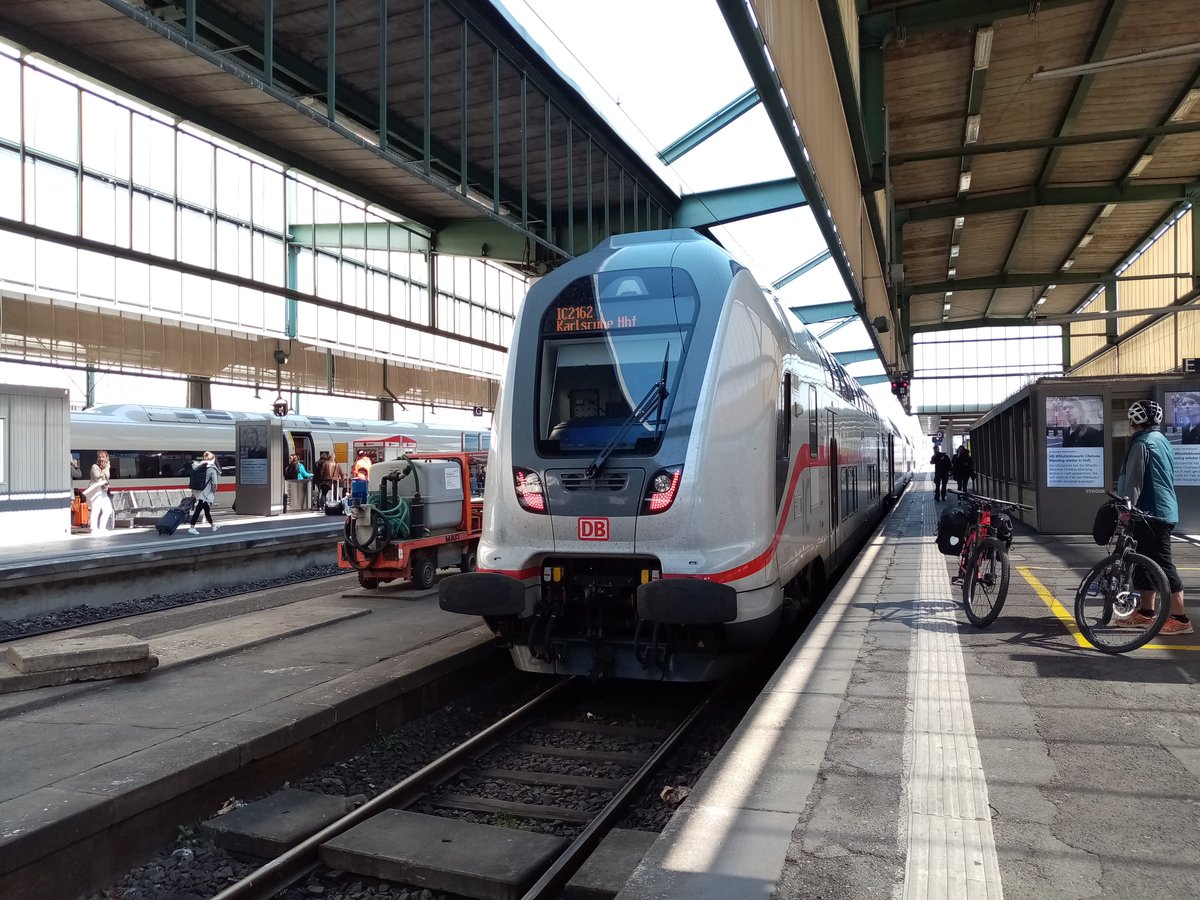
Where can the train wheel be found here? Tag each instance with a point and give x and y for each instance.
(422, 571)
(367, 581)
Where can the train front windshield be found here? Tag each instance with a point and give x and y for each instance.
(612, 348)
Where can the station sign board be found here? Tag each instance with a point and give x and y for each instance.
(1191, 366)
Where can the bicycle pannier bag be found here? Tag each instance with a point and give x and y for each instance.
(1004, 528)
(1105, 525)
(952, 528)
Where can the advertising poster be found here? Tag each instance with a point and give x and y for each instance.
(1075, 442)
(252, 454)
(1181, 426)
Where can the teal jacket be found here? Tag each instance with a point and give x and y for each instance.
(1148, 475)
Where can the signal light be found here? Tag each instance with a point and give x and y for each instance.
(663, 487)
(529, 490)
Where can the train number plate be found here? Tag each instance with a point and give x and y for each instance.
(593, 529)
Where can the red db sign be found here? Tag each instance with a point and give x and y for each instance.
(593, 529)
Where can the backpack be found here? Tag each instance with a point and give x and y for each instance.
(199, 478)
(951, 529)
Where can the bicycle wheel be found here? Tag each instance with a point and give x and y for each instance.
(1111, 593)
(985, 583)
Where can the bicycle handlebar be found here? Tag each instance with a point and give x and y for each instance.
(1128, 506)
(993, 501)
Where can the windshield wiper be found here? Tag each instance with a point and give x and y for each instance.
(654, 398)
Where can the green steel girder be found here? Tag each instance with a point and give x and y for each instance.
(866, 380)
(1002, 280)
(1069, 140)
(358, 236)
(963, 324)
(736, 203)
(1099, 195)
(825, 312)
(485, 239)
(838, 327)
(848, 357)
(804, 267)
(709, 127)
(928, 15)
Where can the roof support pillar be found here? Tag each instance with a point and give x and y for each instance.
(870, 73)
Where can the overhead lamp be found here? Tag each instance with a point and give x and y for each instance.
(983, 47)
(1050, 287)
(953, 271)
(1086, 239)
(1108, 210)
(1068, 264)
(945, 307)
(972, 129)
(959, 221)
(949, 294)
(953, 250)
(1041, 300)
(1185, 105)
(1140, 165)
(964, 182)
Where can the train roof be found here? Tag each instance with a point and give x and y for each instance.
(193, 416)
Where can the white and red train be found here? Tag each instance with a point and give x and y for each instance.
(677, 464)
(152, 448)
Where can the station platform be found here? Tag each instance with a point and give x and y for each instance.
(900, 752)
(129, 563)
(245, 689)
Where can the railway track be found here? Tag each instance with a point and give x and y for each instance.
(492, 776)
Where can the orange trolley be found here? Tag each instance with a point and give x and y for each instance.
(448, 537)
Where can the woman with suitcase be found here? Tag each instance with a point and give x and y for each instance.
(204, 490)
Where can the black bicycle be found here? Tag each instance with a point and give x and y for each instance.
(1111, 592)
(983, 568)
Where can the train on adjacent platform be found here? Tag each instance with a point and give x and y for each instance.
(677, 464)
(152, 448)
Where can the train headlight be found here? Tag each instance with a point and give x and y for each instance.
(528, 485)
(663, 487)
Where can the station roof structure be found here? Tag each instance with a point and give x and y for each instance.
(968, 162)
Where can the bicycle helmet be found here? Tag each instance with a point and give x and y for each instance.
(1145, 412)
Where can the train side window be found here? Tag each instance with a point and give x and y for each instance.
(814, 430)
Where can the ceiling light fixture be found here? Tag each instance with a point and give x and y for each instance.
(953, 271)
(959, 221)
(1108, 210)
(953, 250)
(983, 47)
(945, 307)
(1068, 264)
(949, 294)
(1140, 165)
(1041, 300)
(1185, 105)
(972, 129)
(1086, 239)
(1051, 287)
(964, 182)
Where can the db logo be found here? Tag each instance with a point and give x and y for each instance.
(593, 529)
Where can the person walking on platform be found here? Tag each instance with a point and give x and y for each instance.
(204, 490)
(941, 471)
(329, 471)
(96, 494)
(1148, 480)
(962, 467)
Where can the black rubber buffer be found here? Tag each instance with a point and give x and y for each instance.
(686, 601)
(482, 594)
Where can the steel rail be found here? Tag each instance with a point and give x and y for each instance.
(288, 868)
(555, 878)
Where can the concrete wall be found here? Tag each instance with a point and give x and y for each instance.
(35, 473)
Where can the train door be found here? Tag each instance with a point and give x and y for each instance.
(891, 456)
(834, 480)
(304, 447)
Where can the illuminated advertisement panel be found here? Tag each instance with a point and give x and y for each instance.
(1075, 441)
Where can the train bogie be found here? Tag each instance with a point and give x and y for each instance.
(676, 459)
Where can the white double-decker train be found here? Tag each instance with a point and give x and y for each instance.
(152, 447)
(677, 464)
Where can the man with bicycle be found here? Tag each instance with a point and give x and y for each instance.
(1148, 480)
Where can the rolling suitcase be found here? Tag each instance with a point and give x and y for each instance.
(174, 517)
